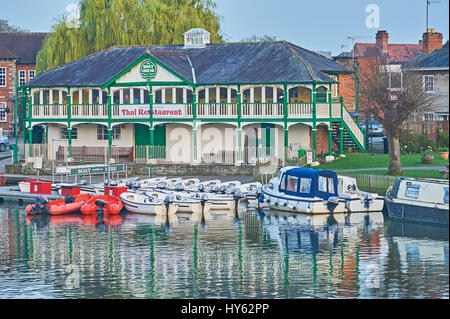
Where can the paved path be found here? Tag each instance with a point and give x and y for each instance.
(410, 168)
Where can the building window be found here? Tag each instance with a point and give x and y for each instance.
(321, 96)
(65, 134)
(428, 83)
(22, 77)
(102, 132)
(428, 117)
(395, 79)
(31, 74)
(3, 114)
(2, 77)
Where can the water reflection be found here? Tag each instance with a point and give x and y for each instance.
(224, 255)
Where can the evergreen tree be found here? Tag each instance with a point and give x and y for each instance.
(105, 23)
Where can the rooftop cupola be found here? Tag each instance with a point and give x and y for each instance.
(196, 38)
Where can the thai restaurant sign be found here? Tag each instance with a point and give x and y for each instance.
(159, 111)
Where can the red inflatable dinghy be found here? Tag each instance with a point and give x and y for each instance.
(69, 204)
(106, 204)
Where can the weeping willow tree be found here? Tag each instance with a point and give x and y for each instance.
(105, 23)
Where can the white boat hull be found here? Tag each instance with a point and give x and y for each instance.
(356, 205)
(134, 204)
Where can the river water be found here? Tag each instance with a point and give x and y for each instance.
(270, 255)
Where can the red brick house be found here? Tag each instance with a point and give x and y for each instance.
(393, 54)
(18, 52)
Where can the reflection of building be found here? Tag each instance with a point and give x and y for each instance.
(216, 102)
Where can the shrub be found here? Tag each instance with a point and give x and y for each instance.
(413, 143)
(443, 139)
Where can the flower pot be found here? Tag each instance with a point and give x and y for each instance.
(427, 159)
(444, 155)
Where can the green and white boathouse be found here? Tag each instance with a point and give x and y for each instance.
(195, 103)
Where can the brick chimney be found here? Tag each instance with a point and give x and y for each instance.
(431, 41)
(382, 38)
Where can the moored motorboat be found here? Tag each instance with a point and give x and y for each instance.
(357, 200)
(102, 205)
(304, 190)
(67, 205)
(185, 203)
(148, 203)
(419, 200)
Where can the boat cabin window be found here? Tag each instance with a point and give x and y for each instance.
(326, 184)
(305, 185)
(292, 182)
(412, 190)
(283, 183)
(446, 195)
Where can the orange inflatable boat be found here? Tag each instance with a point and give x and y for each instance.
(102, 204)
(69, 204)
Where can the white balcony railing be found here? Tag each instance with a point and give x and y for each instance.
(45, 111)
(262, 110)
(217, 110)
(89, 111)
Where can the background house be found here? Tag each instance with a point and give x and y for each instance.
(18, 52)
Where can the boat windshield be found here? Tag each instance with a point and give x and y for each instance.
(326, 184)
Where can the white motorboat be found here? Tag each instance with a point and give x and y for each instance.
(185, 203)
(356, 200)
(420, 200)
(304, 190)
(148, 204)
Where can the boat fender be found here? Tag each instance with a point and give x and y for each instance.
(268, 200)
(285, 204)
(276, 203)
(293, 207)
(261, 198)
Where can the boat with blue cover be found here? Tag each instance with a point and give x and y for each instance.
(304, 190)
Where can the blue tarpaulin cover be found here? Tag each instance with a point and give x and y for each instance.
(313, 174)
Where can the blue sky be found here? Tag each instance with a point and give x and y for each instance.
(316, 25)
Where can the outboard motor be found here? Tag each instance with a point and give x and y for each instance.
(367, 200)
(332, 203)
(203, 202)
(201, 187)
(214, 189)
(161, 185)
(39, 207)
(179, 186)
(101, 206)
(237, 196)
(149, 196)
(223, 189)
(69, 199)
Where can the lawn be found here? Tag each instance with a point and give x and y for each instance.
(365, 160)
(406, 173)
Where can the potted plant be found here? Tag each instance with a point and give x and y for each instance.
(443, 151)
(427, 156)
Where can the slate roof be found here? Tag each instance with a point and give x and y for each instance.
(435, 59)
(265, 62)
(21, 45)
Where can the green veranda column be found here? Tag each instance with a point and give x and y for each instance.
(194, 123)
(285, 116)
(239, 130)
(330, 139)
(314, 116)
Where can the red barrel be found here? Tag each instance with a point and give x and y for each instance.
(38, 187)
(115, 190)
(70, 190)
